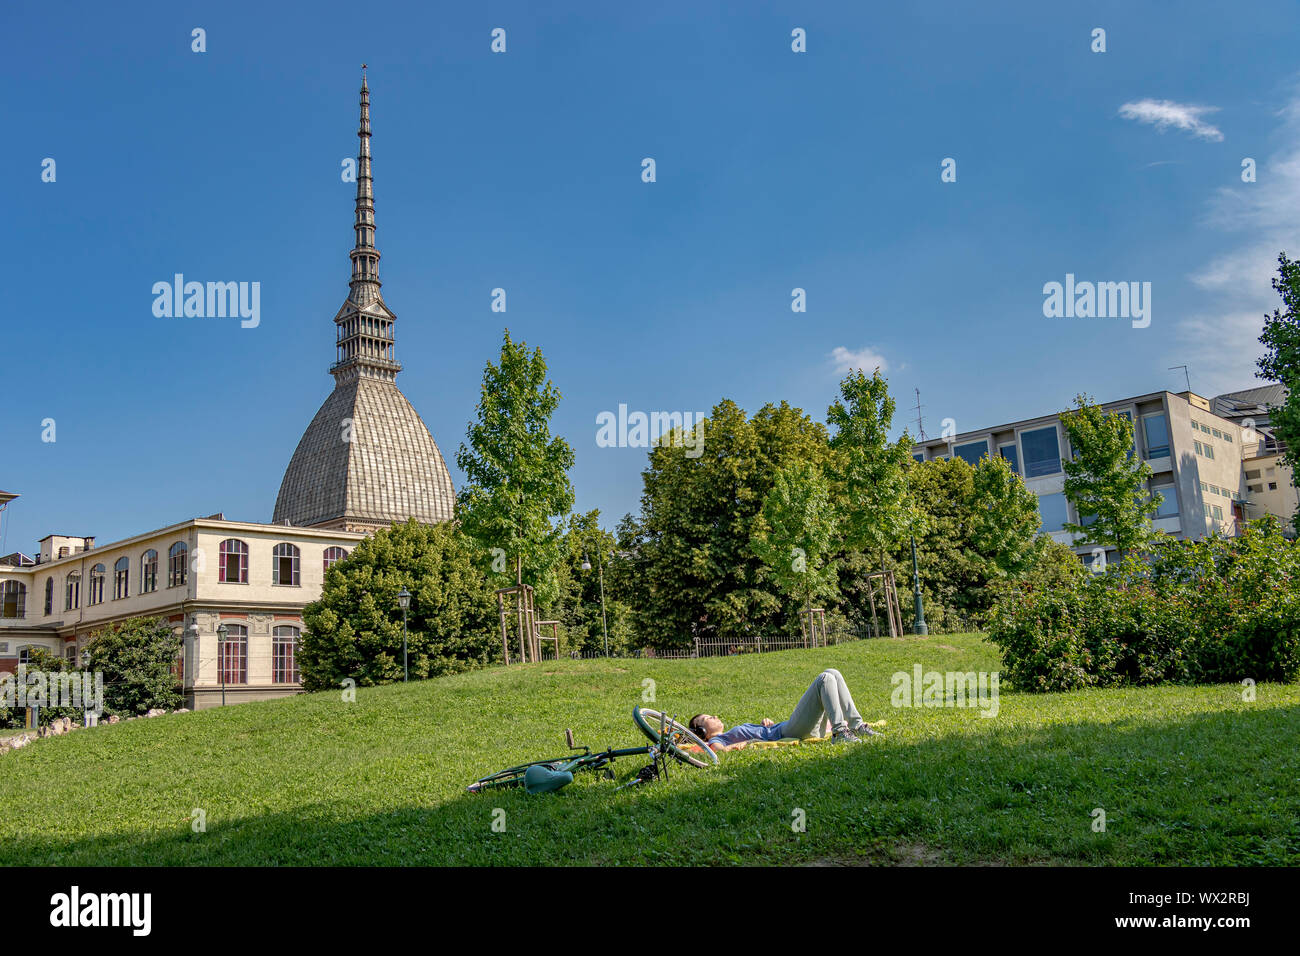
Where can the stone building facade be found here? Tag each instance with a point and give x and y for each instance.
(366, 460)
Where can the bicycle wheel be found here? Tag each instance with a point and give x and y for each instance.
(676, 737)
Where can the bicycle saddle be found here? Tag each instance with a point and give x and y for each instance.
(545, 780)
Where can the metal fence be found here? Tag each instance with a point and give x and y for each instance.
(697, 649)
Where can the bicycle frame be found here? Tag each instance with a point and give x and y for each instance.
(659, 752)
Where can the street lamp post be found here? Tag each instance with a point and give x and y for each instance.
(222, 631)
(404, 602)
(604, 626)
(918, 626)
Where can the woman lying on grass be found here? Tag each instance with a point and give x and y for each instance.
(826, 698)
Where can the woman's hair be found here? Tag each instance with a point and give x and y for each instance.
(697, 727)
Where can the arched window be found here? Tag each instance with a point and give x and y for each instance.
(234, 562)
(13, 599)
(232, 664)
(178, 558)
(25, 653)
(284, 655)
(149, 571)
(284, 567)
(72, 591)
(121, 578)
(333, 556)
(49, 596)
(96, 595)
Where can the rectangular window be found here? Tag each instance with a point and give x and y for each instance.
(1168, 506)
(233, 658)
(1216, 433)
(1011, 455)
(1129, 415)
(972, 452)
(917, 456)
(1204, 486)
(284, 655)
(1054, 511)
(1227, 437)
(177, 565)
(1207, 510)
(1200, 449)
(1042, 452)
(1156, 431)
(1218, 513)
(1209, 451)
(1272, 486)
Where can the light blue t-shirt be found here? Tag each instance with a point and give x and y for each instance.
(742, 733)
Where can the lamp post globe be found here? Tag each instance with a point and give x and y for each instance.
(404, 602)
(222, 631)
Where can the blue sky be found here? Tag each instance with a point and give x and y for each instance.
(522, 170)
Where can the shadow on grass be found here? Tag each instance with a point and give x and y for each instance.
(1217, 789)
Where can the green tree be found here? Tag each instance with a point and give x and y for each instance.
(516, 472)
(1105, 481)
(1004, 518)
(692, 572)
(138, 659)
(1281, 363)
(579, 607)
(354, 630)
(793, 539)
(870, 472)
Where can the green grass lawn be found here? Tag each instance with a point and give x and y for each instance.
(1186, 775)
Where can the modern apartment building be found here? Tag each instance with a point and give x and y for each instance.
(1214, 466)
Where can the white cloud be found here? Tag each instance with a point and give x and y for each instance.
(1163, 114)
(1221, 343)
(867, 359)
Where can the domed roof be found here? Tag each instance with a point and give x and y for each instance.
(366, 460)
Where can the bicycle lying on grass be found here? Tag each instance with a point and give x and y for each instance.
(668, 739)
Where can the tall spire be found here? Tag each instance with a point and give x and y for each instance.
(365, 323)
(365, 257)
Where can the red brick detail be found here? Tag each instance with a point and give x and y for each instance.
(288, 617)
(175, 618)
(233, 614)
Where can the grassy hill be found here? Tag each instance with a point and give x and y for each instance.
(1185, 775)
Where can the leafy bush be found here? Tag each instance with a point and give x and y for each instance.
(39, 660)
(138, 659)
(355, 629)
(1038, 632)
(1218, 610)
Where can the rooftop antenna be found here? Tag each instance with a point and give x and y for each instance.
(1174, 368)
(920, 425)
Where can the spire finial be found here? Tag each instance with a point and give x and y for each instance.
(365, 324)
(365, 257)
